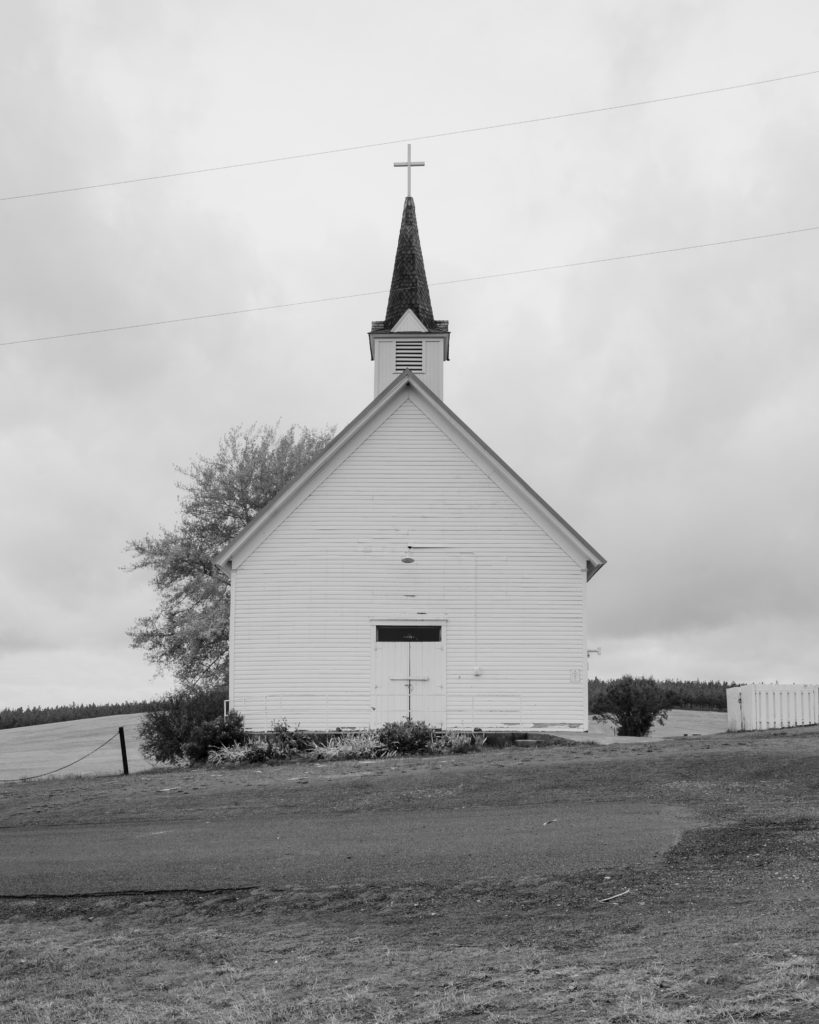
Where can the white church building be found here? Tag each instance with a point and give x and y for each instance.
(409, 572)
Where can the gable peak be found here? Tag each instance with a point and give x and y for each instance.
(409, 322)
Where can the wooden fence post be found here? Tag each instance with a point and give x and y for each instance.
(124, 754)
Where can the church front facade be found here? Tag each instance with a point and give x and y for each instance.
(409, 572)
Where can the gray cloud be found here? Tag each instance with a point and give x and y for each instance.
(664, 406)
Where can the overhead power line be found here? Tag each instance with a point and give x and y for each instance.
(415, 138)
(435, 284)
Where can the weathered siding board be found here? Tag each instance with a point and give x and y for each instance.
(510, 596)
(772, 706)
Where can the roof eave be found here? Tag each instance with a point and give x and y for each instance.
(593, 559)
(441, 330)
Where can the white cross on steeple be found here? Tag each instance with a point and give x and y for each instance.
(409, 166)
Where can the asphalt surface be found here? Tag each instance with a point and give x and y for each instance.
(318, 850)
(209, 840)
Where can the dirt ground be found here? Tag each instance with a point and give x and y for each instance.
(718, 926)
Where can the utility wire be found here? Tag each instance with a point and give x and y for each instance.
(633, 255)
(415, 138)
(435, 284)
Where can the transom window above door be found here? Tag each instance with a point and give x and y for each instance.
(413, 633)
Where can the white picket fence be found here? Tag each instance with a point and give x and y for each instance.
(772, 706)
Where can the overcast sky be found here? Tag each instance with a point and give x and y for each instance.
(665, 405)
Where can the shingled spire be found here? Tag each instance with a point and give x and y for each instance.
(409, 289)
(409, 338)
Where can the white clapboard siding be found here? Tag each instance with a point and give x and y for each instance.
(772, 706)
(508, 594)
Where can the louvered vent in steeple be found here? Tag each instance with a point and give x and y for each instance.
(409, 355)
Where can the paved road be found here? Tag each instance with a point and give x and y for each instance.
(270, 839)
(438, 847)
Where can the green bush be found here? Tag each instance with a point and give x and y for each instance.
(218, 732)
(405, 737)
(631, 704)
(348, 746)
(283, 741)
(500, 740)
(455, 742)
(250, 752)
(165, 730)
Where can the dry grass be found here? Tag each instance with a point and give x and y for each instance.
(721, 930)
(256, 959)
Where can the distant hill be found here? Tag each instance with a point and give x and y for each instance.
(13, 718)
(85, 747)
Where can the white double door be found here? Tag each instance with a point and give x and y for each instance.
(409, 674)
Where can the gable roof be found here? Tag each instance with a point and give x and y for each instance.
(409, 289)
(343, 442)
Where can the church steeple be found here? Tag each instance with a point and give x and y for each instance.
(409, 337)
(409, 289)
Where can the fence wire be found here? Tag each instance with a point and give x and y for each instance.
(28, 778)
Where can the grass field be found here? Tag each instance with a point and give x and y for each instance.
(37, 749)
(722, 929)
